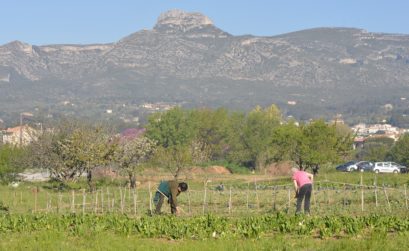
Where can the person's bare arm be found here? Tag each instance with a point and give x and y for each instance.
(295, 186)
(310, 176)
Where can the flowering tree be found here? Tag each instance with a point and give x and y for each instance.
(130, 155)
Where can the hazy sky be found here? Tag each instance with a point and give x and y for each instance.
(103, 21)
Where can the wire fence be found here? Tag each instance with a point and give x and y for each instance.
(328, 197)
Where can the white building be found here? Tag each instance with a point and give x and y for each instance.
(20, 134)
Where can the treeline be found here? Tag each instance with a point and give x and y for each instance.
(253, 140)
(181, 138)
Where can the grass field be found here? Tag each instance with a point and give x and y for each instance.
(51, 240)
(270, 232)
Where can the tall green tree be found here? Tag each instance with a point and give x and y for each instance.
(10, 165)
(400, 151)
(320, 142)
(212, 131)
(312, 144)
(289, 141)
(176, 134)
(172, 128)
(252, 134)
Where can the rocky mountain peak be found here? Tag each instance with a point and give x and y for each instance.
(18, 46)
(179, 20)
(187, 60)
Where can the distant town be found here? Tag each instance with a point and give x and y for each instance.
(26, 133)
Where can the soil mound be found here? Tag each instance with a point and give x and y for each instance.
(280, 169)
(210, 170)
(217, 170)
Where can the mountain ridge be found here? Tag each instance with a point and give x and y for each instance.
(186, 58)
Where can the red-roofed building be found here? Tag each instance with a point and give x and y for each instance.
(25, 134)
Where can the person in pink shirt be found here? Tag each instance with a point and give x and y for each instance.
(303, 188)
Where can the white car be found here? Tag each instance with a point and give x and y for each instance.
(386, 167)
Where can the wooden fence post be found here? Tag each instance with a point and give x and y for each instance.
(96, 201)
(289, 199)
(83, 200)
(14, 198)
(113, 201)
(274, 197)
(210, 200)
(188, 197)
(375, 183)
(376, 196)
(257, 199)
(35, 199)
(59, 202)
(344, 199)
(406, 198)
(122, 201)
(230, 203)
(247, 195)
(129, 197)
(362, 194)
(108, 201)
(326, 194)
(387, 198)
(102, 200)
(204, 196)
(134, 200)
(150, 197)
(48, 203)
(314, 196)
(73, 201)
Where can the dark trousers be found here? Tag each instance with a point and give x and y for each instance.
(304, 193)
(159, 198)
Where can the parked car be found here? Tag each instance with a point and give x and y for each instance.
(403, 169)
(386, 167)
(347, 167)
(365, 166)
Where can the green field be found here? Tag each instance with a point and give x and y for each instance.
(51, 240)
(269, 232)
(334, 193)
(258, 214)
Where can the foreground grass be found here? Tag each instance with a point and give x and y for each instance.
(51, 240)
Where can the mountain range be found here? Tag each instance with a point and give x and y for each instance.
(186, 60)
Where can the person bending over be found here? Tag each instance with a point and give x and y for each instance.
(169, 189)
(303, 188)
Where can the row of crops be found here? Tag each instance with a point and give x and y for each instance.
(204, 227)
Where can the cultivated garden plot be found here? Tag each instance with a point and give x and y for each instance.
(364, 195)
(253, 213)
